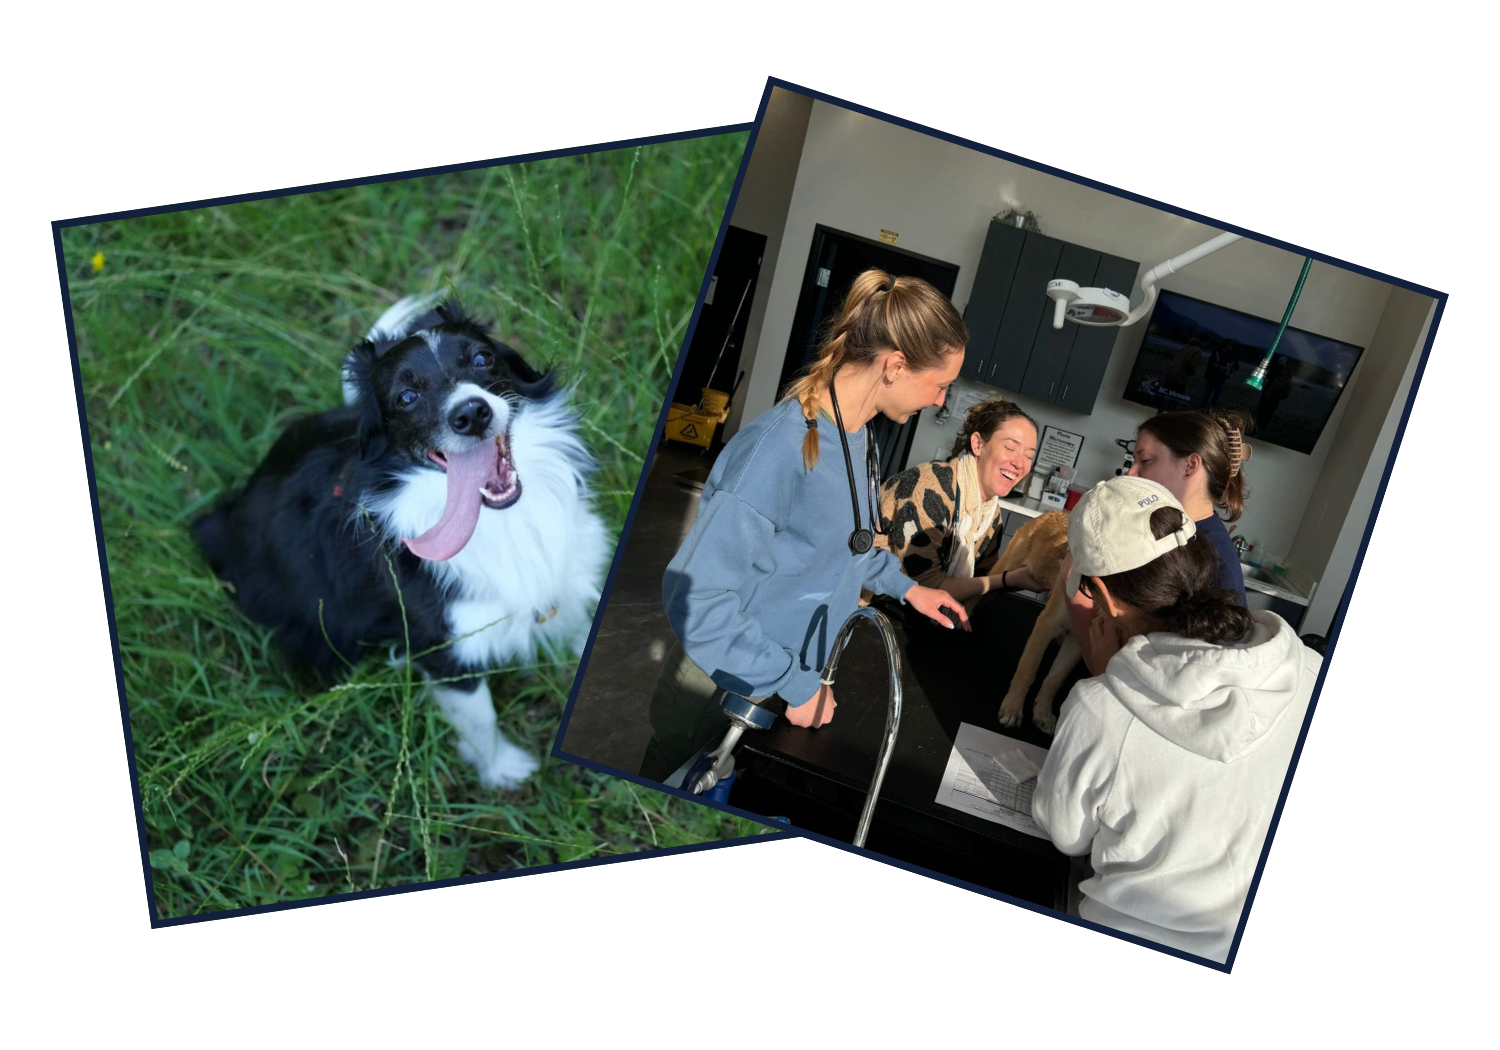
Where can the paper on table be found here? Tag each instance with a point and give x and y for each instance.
(975, 784)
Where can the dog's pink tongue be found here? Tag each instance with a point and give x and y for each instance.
(467, 474)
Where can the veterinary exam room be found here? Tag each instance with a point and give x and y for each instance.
(999, 525)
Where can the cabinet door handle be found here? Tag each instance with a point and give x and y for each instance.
(1064, 394)
(1050, 387)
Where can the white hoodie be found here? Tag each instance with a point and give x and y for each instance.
(1167, 768)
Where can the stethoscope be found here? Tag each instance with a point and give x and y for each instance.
(861, 539)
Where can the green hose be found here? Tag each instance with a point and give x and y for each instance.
(1257, 377)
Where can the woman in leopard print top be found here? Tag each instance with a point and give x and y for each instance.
(943, 520)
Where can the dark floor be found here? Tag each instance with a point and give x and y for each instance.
(609, 723)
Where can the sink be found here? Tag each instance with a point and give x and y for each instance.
(1291, 583)
(1261, 575)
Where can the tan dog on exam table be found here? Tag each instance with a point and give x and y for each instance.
(1041, 545)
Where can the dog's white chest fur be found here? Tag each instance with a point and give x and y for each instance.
(528, 580)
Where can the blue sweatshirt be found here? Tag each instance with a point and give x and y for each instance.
(765, 578)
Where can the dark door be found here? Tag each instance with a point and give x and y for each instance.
(835, 260)
(713, 358)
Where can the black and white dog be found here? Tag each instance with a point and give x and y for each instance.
(445, 505)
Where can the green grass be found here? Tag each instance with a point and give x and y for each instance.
(202, 335)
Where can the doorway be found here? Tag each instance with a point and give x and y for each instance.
(834, 261)
(713, 358)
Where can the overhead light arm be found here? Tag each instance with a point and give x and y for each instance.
(1102, 307)
(1171, 266)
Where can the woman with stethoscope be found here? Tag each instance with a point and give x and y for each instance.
(771, 569)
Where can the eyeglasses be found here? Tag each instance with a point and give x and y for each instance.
(1086, 587)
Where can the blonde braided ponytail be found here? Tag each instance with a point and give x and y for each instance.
(879, 313)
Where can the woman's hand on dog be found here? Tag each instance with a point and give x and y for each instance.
(938, 606)
(1021, 578)
(816, 712)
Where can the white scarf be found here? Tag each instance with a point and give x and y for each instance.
(973, 518)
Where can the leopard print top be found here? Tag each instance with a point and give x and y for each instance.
(916, 514)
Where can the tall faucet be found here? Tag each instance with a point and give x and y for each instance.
(715, 766)
(893, 710)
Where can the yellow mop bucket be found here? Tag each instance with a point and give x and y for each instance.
(695, 424)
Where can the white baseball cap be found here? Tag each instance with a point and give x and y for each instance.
(1109, 530)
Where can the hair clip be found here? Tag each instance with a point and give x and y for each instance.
(1236, 451)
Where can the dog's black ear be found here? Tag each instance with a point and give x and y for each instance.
(429, 318)
(528, 381)
(359, 392)
(538, 390)
(359, 372)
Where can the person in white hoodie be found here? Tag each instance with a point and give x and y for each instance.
(1167, 765)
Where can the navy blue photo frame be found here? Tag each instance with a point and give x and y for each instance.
(163, 857)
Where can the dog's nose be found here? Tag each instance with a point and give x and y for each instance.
(471, 417)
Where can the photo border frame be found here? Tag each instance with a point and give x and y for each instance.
(58, 225)
(1440, 302)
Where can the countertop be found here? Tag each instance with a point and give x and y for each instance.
(1025, 505)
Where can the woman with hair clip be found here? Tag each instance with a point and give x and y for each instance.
(943, 519)
(1199, 457)
(1166, 766)
(770, 570)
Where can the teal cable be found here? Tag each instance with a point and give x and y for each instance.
(1257, 377)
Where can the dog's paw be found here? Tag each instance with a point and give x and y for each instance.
(1011, 709)
(1044, 719)
(506, 765)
